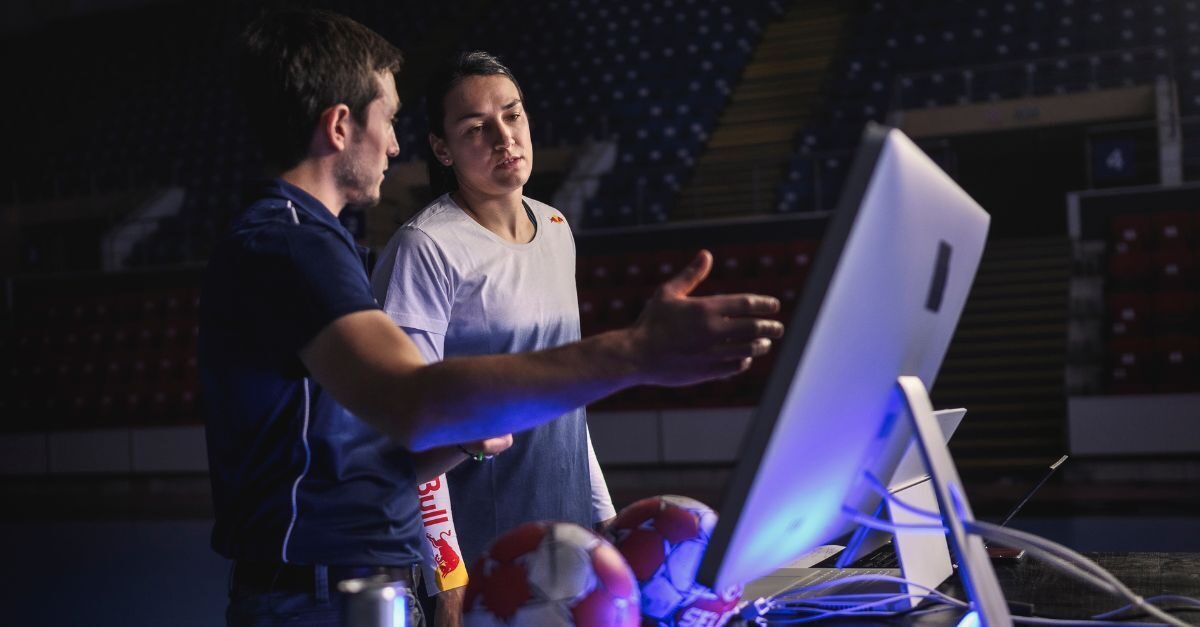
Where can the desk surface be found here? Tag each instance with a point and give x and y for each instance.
(1147, 574)
(1055, 595)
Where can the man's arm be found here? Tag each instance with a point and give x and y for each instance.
(375, 370)
(442, 459)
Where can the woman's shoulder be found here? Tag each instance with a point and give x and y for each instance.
(546, 214)
(439, 214)
(540, 208)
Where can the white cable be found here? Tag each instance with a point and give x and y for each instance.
(1018, 538)
(1067, 622)
(1094, 573)
(930, 593)
(1063, 558)
(878, 486)
(862, 609)
(1060, 562)
(1176, 598)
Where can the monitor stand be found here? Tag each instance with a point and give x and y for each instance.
(924, 557)
(974, 568)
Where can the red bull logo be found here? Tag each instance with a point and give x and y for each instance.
(557, 219)
(446, 569)
(447, 559)
(431, 514)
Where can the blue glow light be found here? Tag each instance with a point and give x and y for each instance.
(400, 611)
(970, 620)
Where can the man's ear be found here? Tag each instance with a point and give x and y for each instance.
(333, 127)
(440, 152)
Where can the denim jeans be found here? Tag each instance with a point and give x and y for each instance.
(321, 608)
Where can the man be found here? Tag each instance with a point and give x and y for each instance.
(321, 414)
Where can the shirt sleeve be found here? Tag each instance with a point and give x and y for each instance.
(430, 345)
(420, 289)
(445, 570)
(602, 506)
(300, 278)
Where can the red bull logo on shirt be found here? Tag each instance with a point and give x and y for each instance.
(431, 514)
(445, 555)
(557, 219)
(447, 570)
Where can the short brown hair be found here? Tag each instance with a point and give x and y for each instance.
(295, 64)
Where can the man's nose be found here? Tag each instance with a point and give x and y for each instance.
(393, 146)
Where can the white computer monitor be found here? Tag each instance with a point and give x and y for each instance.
(885, 294)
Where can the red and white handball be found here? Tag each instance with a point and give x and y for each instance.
(663, 539)
(549, 574)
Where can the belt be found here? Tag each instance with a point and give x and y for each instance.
(263, 577)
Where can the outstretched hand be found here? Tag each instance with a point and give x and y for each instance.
(682, 339)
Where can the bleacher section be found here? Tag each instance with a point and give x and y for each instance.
(1153, 302)
(654, 75)
(1135, 358)
(913, 55)
(614, 287)
(100, 352)
(152, 104)
(120, 350)
(781, 86)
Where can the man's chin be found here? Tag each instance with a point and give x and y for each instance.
(363, 202)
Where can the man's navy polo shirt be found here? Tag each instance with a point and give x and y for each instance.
(296, 477)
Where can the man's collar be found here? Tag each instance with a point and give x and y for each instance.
(302, 200)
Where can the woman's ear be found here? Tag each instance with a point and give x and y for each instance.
(438, 145)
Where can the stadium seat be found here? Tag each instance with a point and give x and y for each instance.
(1177, 364)
(1173, 230)
(1130, 365)
(1129, 314)
(1130, 270)
(1174, 269)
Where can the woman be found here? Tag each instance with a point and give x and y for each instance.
(484, 270)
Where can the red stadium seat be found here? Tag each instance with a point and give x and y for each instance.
(1174, 269)
(602, 270)
(1173, 229)
(1175, 313)
(1177, 364)
(800, 257)
(1129, 314)
(733, 261)
(1130, 366)
(636, 269)
(1130, 270)
(1130, 232)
